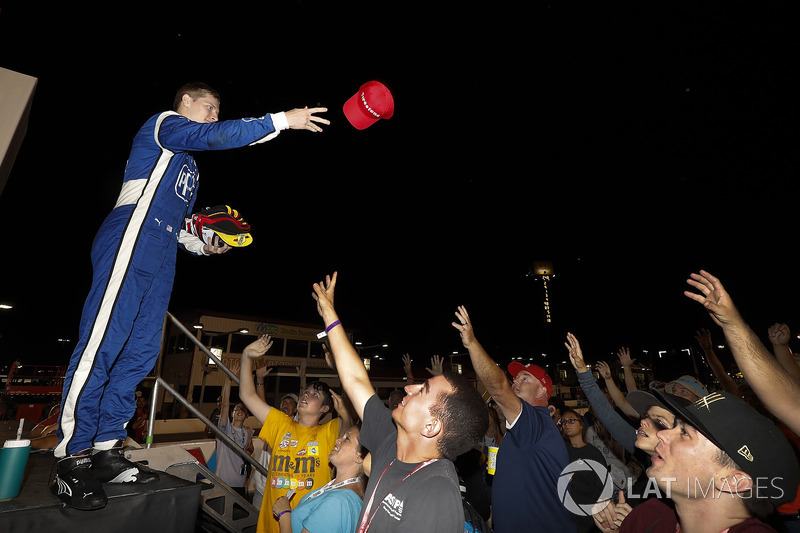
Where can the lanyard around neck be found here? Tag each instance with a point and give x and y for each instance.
(329, 486)
(366, 520)
(245, 431)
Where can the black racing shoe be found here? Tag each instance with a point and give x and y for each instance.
(110, 466)
(76, 486)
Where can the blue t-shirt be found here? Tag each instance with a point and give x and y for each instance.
(525, 486)
(333, 511)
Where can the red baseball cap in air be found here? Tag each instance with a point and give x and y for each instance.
(538, 372)
(372, 102)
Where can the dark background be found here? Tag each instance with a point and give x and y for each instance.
(628, 145)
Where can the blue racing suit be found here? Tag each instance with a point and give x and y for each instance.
(133, 262)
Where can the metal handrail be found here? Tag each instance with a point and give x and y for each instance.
(159, 382)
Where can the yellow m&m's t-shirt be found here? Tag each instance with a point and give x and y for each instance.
(299, 461)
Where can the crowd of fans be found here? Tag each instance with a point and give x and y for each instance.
(680, 455)
(677, 455)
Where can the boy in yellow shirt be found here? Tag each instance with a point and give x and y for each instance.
(299, 448)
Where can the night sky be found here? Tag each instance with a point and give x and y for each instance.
(628, 145)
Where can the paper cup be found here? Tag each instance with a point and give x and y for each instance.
(491, 461)
(13, 459)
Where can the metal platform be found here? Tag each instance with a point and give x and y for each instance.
(188, 498)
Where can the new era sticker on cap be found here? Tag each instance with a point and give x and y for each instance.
(372, 102)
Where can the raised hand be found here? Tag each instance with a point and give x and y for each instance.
(604, 370)
(575, 353)
(464, 326)
(323, 294)
(329, 359)
(234, 366)
(703, 338)
(436, 366)
(779, 334)
(713, 297)
(338, 403)
(262, 371)
(258, 347)
(624, 355)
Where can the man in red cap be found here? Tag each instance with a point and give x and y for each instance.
(533, 454)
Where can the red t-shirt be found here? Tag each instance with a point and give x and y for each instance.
(793, 506)
(654, 516)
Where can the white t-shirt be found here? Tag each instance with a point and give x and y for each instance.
(230, 466)
(619, 471)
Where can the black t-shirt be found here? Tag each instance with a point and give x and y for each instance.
(585, 487)
(406, 496)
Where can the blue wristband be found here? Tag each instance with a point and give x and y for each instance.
(283, 513)
(332, 325)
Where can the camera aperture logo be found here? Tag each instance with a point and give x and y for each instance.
(585, 467)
